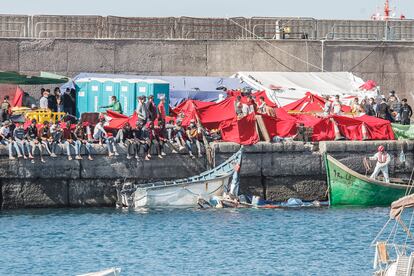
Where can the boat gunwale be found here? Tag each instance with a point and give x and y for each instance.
(220, 172)
(361, 176)
(155, 187)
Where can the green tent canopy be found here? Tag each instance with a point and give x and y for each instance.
(403, 132)
(16, 78)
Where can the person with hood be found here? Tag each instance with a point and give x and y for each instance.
(383, 159)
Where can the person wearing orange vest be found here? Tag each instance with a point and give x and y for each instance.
(383, 159)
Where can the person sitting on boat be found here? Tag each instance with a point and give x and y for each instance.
(383, 159)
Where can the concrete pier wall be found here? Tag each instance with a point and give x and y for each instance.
(272, 171)
(388, 63)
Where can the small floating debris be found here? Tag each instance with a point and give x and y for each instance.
(114, 271)
(242, 201)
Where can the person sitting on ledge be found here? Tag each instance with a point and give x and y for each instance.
(139, 140)
(32, 137)
(56, 134)
(82, 140)
(124, 136)
(193, 134)
(70, 141)
(45, 137)
(156, 140)
(100, 135)
(6, 138)
(20, 142)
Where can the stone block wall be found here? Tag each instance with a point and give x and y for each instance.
(274, 171)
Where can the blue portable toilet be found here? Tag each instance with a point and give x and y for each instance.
(82, 89)
(127, 96)
(141, 88)
(109, 88)
(159, 89)
(94, 95)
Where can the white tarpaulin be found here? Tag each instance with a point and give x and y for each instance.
(286, 87)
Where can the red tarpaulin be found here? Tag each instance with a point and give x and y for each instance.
(117, 120)
(189, 109)
(263, 94)
(18, 97)
(351, 128)
(310, 103)
(368, 85)
(279, 127)
(211, 116)
(323, 130)
(241, 131)
(378, 129)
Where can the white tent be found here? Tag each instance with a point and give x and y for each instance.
(286, 87)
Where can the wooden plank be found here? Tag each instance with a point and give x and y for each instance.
(262, 128)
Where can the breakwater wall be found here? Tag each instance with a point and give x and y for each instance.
(387, 62)
(273, 171)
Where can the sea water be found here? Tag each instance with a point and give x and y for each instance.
(320, 241)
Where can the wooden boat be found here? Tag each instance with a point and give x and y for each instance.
(347, 187)
(183, 192)
(394, 253)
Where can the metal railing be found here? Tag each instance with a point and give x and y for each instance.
(18, 28)
(203, 28)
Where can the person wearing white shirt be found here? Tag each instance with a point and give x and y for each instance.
(44, 103)
(383, 159)
(5, 138)
(336, 106)
(100, 134)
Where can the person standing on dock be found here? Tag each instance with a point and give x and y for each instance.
(44, 102)
(115, 105)
(383, 159)
(161, 109)
(142, 110)
(336, 106)
(152, 109)
(405, 112)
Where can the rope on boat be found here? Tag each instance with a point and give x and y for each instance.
(380, 232)
(367, 165)
(409, 226)
(410, 183)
